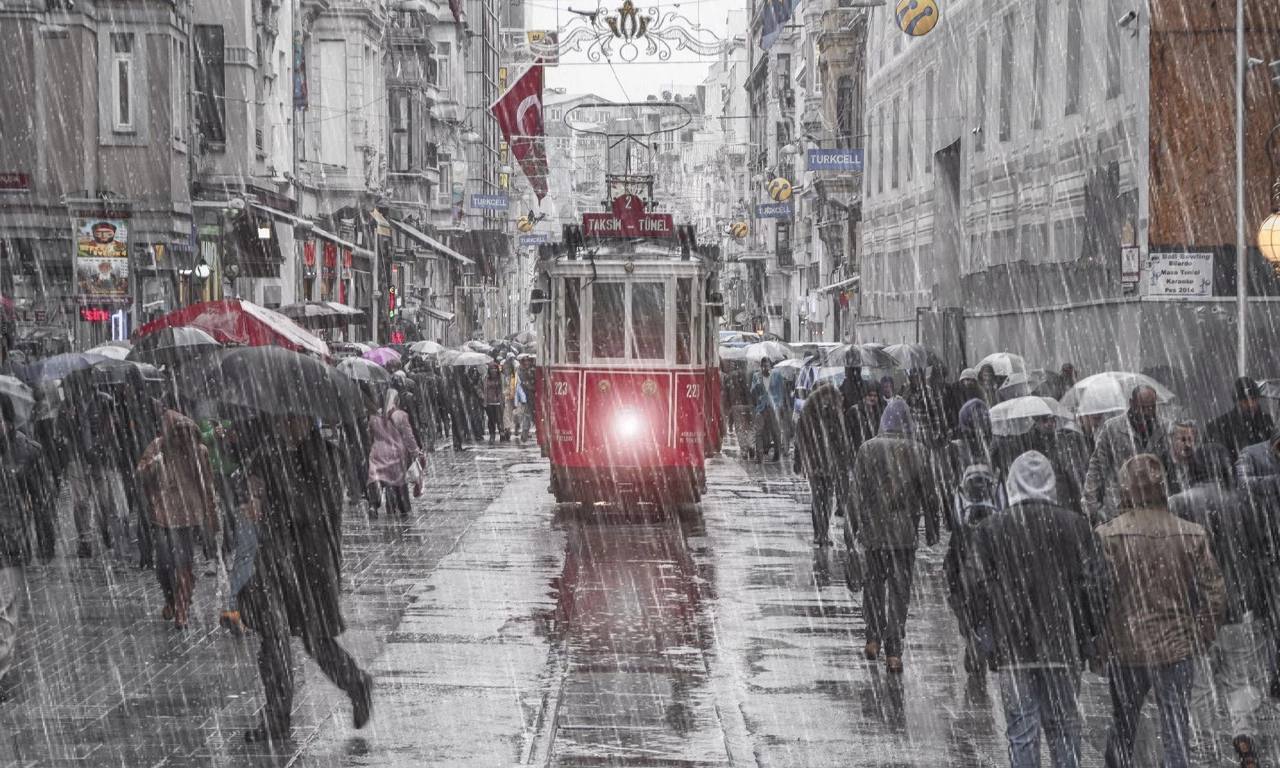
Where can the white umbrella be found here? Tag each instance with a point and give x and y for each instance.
(733, 353)
(774, 350)
(467, 359)
(1016, 416)
(1109, 392)
(109, 350)
(794, 362)
(1003, 363)
(426, 348)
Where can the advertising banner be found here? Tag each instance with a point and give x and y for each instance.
(775, 210)
(1179, 274)
(535, 238)
(833, 159)
(102, 257)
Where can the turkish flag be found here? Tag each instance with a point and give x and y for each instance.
(519, 114)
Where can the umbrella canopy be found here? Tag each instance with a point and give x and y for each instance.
(524, 337)
(1003, 363)
(477, 346)
(504, 348)
(733, 353)
(277, 382)
(108, 350)
(343, 349)
(738, 337)
(793, 364)
(1109, 392)
(774, 350)
(20, 397)
(1037, 381)
(241, 322)
(170, 345)
(913, 357)
(360, 369)
(1017, 416)
(426, 348)
(460, 359)
(858, 355)
(58, 366)
(108, 372)
(381, 355)
(322, 314)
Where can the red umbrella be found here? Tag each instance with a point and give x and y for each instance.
(241, 322)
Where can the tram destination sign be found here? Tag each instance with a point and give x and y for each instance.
(643, 225)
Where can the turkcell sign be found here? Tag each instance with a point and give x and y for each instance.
(775, 210)
(535, 238)
(644, 225)
(489, 202)
(834, 159)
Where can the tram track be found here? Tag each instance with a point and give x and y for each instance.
(628, 679)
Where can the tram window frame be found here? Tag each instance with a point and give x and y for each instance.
(636, 350)
(617, 342)
(684, 321)
(572, 336)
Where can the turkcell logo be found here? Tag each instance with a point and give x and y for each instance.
(834, 159)
(489, 202)
(775, 210)
(535, 238)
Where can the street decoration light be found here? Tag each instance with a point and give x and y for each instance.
(917, 17)
(780, 189)
(660, 34)
(740, 229)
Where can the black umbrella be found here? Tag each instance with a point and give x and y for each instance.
(856, 355)
(277, 382)
(913, 357)
(322, 314)
(109, 373)
(171, 345)
(57, 367)
(20, 397)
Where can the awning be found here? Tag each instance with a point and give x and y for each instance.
(384, 228)
(432, 243)
(277, 214)
(438, 314)
(840, 285)
(318, 232)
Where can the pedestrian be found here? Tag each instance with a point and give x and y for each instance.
(822, 457)
(179, 482)
(1139, 430)
(887, 387)
(20, 472)
(1257, 476)
(1059, 385)
(1235, 668)
(967, 387)
(1037, 581)
(51, 430)
(766, 415)
(294, 590)
(892, 489)
(863, 421)
(1166, 600)
(973, 443)
(1063, 446)
(1183, 441)
(94, 459)
(851, 388)
(139, 421)
(742, 410)
(509, 381)
(474, 388)
(527, 384)
(989, 384)
(493, 400)
(1245, 424)
(393, 449)
(782, 396)
(238, 508)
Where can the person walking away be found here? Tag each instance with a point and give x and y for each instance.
(139, 420)
(393, 450)
(766, 416)
(421, 380)
(822, 457)
(94, 455)
(1235, 667)
(20, 471)
(178, 478)
(295, 587)
(50, 429)
(1064, 447)
(1166, 601)
(782, 396)
(892, 489)
(1245, 424)
(493, 395)
(742, 410)
(1257, 476)
(239, 511)
(527, 381)
(475, 390)
(1037, 583)
(1137, 431)
(863, 420)
(851, 388)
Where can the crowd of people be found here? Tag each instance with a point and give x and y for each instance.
(1144, 547)
(159, 473)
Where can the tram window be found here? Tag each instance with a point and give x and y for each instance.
(684, 320)
(648, 320)
(572, 321)
(608, 324)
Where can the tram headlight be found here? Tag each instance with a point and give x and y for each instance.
(627, 425)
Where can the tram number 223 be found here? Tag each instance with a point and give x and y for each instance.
(692, 390)
(561, 388)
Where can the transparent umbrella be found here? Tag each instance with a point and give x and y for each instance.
(1109, 392)
(426, 348)
(774, 350)
(1017, 416)
(1003, 363)
(860, 356)
(913, 357)
(360, 369)
(465, 359)
(109, 350)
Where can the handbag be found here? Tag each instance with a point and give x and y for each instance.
(854, 565)
(413, 473)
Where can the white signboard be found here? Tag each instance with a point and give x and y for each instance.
(1179, 274)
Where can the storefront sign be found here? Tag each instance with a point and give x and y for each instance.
(775, 210)
(644, 225)
(534, 238)
(833, 159)
(102, 257)
(1179, 274)
(490, 202)
(94, 315)
(1130, 267)
(13, 181)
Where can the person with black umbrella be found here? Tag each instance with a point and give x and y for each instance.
(19, 471)
(1245, 424)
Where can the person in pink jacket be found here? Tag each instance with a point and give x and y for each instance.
(393, 449)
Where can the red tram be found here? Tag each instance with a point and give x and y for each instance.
(629, 376)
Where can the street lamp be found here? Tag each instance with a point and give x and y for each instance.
(471, 137)
(1269, 232)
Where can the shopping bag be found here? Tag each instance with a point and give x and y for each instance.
(413, 474)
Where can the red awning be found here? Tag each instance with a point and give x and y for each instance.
(242, 322)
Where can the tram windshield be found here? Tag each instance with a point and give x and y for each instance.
(610, 320)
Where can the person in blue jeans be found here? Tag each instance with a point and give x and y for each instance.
(1036, 580)
(1166, 603)
(239, 508)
